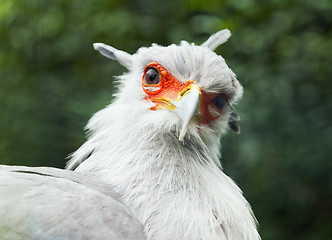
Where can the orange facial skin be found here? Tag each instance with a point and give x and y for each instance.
(206, 106)
(169, 89)
(169, 86)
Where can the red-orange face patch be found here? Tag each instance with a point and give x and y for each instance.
(162, 87)
(167, 87)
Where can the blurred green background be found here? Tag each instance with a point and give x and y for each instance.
(52, 81)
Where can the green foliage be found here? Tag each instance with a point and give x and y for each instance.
(51, 81)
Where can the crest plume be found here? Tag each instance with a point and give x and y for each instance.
(122, 57)
(217, 39)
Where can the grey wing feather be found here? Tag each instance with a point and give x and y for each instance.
(48, 203)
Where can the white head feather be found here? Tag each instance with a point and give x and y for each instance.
(177, 189)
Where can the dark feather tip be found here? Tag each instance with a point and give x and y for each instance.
(234, 126)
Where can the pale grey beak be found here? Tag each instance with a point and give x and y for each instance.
(187, 107)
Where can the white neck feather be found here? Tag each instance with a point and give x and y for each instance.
(177, 190)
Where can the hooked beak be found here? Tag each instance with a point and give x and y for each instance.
(187, 106)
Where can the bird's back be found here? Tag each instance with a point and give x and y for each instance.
(48, 203)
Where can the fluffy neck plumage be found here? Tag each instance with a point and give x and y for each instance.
(177, 190)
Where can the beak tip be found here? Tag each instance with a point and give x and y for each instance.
(183, 131)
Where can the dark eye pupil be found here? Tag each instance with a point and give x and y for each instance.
(152, 77)
(219, 101)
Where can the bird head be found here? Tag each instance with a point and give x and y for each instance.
(187, 89)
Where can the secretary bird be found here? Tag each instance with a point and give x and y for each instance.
(150, 168)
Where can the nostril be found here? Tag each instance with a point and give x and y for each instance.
(184, 91)
(189, 88)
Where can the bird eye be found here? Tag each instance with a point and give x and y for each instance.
(152, 76)
(219, 101)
